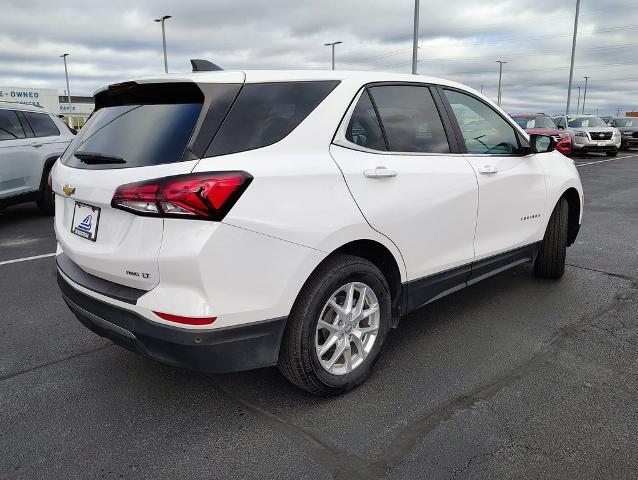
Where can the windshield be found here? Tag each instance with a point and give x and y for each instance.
(584, 122)
(534, 121)
(626, 122)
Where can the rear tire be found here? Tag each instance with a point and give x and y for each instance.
(300, 357)
(46, 204)
(550, 261)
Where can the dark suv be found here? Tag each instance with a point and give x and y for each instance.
(628, 127)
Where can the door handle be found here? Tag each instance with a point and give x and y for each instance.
(36, 145)
(487, 170)
(379, 172)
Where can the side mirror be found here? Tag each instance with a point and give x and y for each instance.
(542, 143)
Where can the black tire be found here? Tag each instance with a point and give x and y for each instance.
(46, 203)
(612, 154)
(550, 261)
(298, 359)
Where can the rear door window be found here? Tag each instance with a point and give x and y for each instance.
(10, 127)
(363, 128)
(410, 119)
(264, 113)
(41, 124)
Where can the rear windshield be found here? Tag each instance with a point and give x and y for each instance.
(139, 135)
(135, 129)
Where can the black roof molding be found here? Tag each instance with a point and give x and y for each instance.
(200, 65)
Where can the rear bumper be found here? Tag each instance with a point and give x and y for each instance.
(220, 350)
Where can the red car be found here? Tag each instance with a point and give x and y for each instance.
(542, 124)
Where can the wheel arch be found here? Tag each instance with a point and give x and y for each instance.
(380, 256)
(46, 168)
(573, 220)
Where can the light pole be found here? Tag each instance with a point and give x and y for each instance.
(415, 37)
(332, 44)
(162, 20)
(585, 94)
(500, 75)
(577, 105)
(68, 90)
(571, 67)
(482, 88)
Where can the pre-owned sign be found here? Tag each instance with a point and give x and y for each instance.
(47, 98)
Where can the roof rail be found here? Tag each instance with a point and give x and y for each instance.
(200, 65)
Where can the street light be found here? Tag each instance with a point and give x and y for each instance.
(571, 66)
(332, 44)
(162, 20)
(415, 37)
(578, 104)
(68, 90)
(585, 94)
(500, 75)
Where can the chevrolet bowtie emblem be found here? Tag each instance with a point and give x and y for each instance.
(68, 190)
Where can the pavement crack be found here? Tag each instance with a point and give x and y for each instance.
(634, 280)
(54, 362)
(419, 428)
(341, 464)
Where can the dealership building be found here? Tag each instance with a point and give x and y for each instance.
(75, 114)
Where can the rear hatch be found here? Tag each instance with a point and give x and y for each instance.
(139, 131)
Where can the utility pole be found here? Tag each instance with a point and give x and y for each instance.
(68, 90)
(500, 75)
(332, 44)
(162, 20)
(571, 67)
(578, 105)
(585, 94)
(415, 38)
(482, 88)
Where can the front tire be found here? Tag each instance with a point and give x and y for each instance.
(337, 326)
(550, 261)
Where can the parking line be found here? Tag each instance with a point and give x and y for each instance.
(35, 257)
(607, 160)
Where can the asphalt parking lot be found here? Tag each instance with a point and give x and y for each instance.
(511, 378)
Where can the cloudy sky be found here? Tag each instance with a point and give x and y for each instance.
(113, 40)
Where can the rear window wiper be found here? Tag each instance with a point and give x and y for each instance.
(95, 158)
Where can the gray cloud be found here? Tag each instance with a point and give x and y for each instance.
(114, 40)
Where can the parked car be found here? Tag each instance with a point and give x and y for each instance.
(542, 124)
(590, 134)
(628, 127)
(607, 119)
(225, 221)
(30, 142)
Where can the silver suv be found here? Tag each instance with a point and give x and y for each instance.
(30, 142)
(589, 134)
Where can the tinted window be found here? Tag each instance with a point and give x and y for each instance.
(10, 127)
(363, 128)
(41, 124)
(264, 113)
(141, 135)
(484, 130)
(410, 119)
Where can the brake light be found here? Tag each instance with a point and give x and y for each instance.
(186, 320)
(564, 145)
(208, 196)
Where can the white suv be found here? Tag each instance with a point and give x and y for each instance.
(30, 142)
(232, 220)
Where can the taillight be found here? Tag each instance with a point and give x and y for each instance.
(208, 195)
